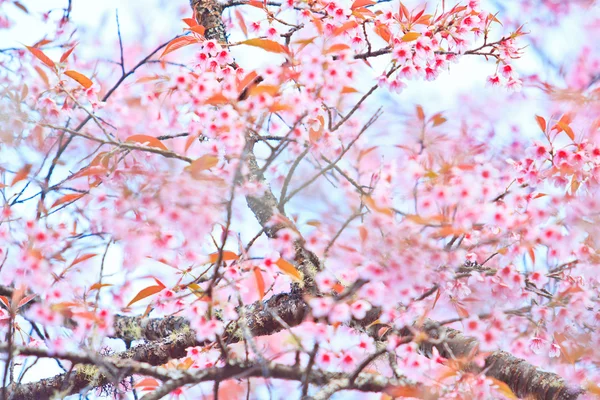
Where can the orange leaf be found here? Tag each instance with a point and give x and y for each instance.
(227, 256)
(371, 204)
(21, 174)
(41, 56)
(199, 29)
(361, 3)
(270, 89)
(191, 22)
(146, 140)
(410, 36)
(565, 127)
(247, 80)
(346, 26)
(146, 292)
(241, 21)
(26, 300)
(503, 388)
(80, 78)
(98, 285)
(205, 162)
(4, 300)
(66, 54)
(438, 119)
(348, 89)
(531, 252)
(83, 258)
(420, 113)
(147, 384)
(217, 99)
(178, 43)
(289, 270)
(67, 199)
(338, 288)
(336, 48)
(541, 122)
(260, 283)
(383, 31)
(42, 75)
(404, 11)
(266, 44)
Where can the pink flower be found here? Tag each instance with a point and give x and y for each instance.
(536, 344)
(554, 351)
(320, 306)
(340, 313)
(494, 80)
(360, 308)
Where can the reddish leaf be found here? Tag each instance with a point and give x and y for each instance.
(246, 81)
(67, 199)
(404, 11)
(4, 300)
(346, 26)
(80, 78)
(336, 48)
(146, 292)
(348, 89)
(146, 140)
(83, 258)
(217, 99)
(147, 384)
(438, 119)
(260, 283)
(42, 75)
(199, 29)
(383, 31)
(98, 285)
(66, 54)
(269, 89)
(205, 162)
(178, 43)
(289, 270)
(361, 3)
(266, 44)
(191, 22)
(541, 123)
(241, 21)
(26, 300)
(41, 56)
(420, 113)
(23, 173)
(565, 127)
(227, 256)
(21, 7)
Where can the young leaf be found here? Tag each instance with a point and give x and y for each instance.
(80, 78)
(410, 36)
(178, 43)
(361, 3)
(41, 56)
(83, 258)
(146, 292)
(146, 140)
(21, 174)
(266, 44)
(205, 162)
(260, 283)
(67, 198)
(541, 123)
(289, 270)
(66, 54)
(227, 256)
